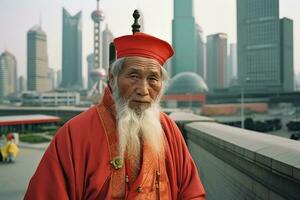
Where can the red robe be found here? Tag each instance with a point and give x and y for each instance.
(76, 164)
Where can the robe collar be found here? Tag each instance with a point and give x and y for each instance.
(108, 101)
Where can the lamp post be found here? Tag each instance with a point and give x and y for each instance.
(242, 104)
(242, 108)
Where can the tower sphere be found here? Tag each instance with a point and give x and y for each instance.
(98, 74)
(97, 16)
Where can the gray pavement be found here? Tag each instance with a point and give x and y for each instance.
(15, 177)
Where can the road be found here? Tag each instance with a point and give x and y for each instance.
(14, 178)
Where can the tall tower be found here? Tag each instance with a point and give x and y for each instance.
(107, 39)
(216, 61)
(287, 54)
(231, 64)
(265, 47)
(184, 37)
(90, 67)
(72, 51)
(37, 60)
(8, 74)
(99, 73)
(22, 84)
(201, 52)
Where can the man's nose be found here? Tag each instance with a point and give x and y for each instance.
(142, 88)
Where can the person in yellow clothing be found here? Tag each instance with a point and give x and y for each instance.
(9, 150)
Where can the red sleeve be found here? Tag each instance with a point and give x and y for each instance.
(187, 178)
(54, 177)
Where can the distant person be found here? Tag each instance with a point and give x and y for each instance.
(125, 147)
(9, 150)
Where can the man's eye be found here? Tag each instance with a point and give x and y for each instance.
(133, 76)
(153, 78)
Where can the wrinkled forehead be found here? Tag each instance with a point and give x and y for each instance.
(141, 63)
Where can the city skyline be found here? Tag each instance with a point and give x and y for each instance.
(48, 13)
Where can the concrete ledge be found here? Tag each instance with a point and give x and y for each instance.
(268, 166)
(279, 154)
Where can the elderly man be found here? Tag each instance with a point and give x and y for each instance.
(123, 148)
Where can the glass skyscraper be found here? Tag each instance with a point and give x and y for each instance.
(107, 38)
(72, 51)
(201, 52)
(37, 60)
(91, 66)
(216, 61)
(184, 38)
(265, 47)
(8, 74)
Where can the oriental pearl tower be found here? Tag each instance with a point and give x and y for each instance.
(98, 74)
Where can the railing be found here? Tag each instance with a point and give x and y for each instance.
(239, 164)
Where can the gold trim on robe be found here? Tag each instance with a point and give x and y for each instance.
(152, 181)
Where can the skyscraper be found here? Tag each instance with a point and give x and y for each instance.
(8, 74)
(184, 37)
(37, 60)
(51, 77)
(3, 78)
(231, 64)
(72, 51)
(91, 66)
(22, 84)
(216, 61)
(201, 52)
(58, 78)
(287, 54)
(265, 47)
(107, 38)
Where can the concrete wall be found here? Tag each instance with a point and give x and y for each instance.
(239, 164)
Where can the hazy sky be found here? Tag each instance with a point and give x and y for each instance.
(17, 17)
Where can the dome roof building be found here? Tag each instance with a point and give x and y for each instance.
(185, 90)
(186, 83)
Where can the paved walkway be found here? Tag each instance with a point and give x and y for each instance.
(15, 177)
(39, 146)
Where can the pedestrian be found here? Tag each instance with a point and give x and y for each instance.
(124, 147)
(9, 150)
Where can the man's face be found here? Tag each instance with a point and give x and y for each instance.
(140, 81)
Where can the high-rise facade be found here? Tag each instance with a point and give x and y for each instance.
(51, 77)
(91, 66)
(107, 38)
(231, 64)
(287, 54)
(8, 74)
(201, 52)
(71, 51)
(22, 84)
(184, 38)
(3, 79)
(37, 60)
(265, 47)
(216, 61)
(58, 78)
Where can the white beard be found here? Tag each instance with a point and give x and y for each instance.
(138, 126)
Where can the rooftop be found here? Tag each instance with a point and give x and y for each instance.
(27, 119)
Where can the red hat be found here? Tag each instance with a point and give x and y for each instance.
(141, 44)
